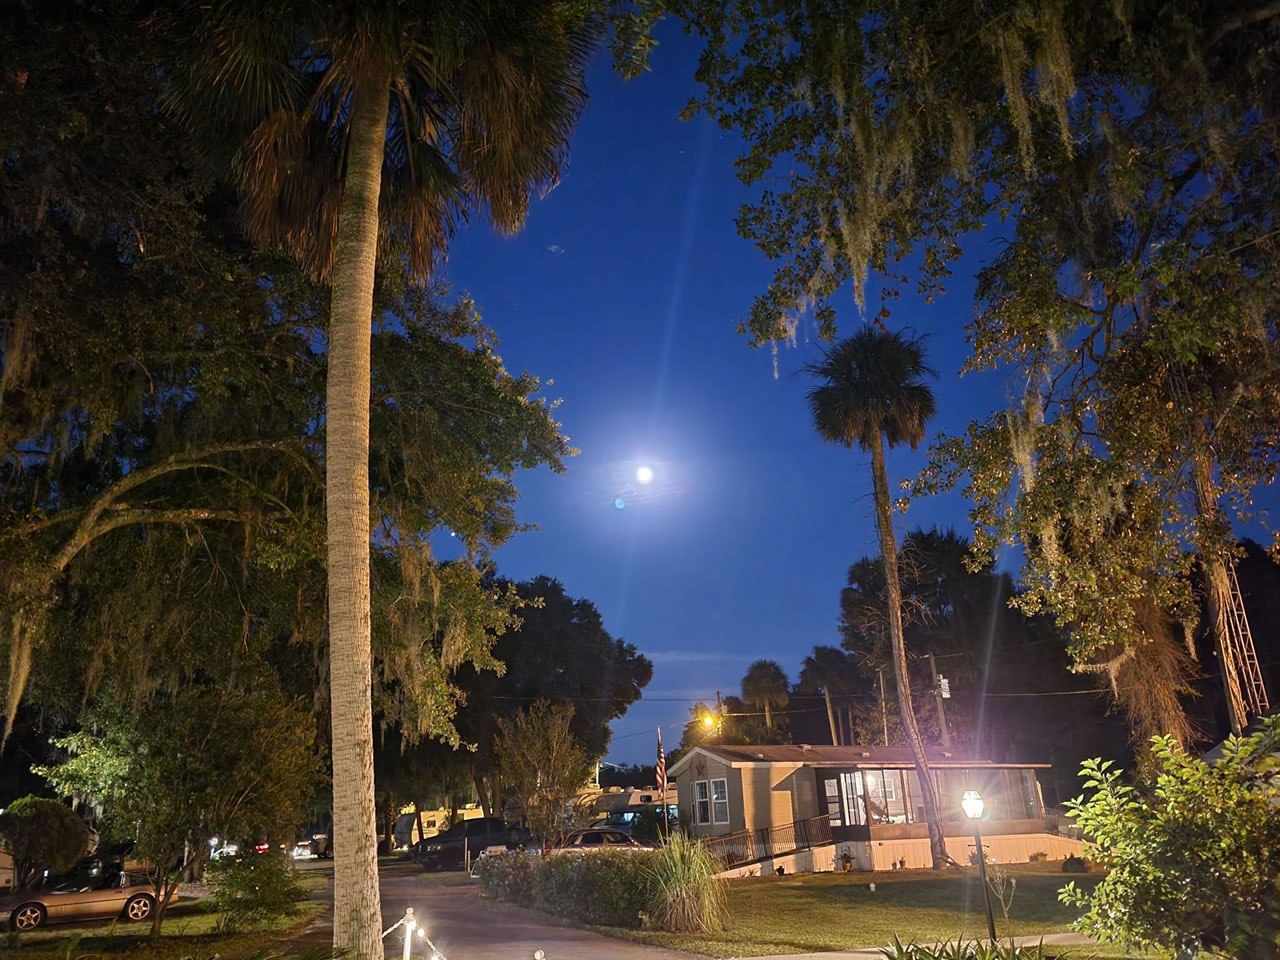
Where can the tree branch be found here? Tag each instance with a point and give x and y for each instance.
(1241, 20)
(89, 526)
(129, 516)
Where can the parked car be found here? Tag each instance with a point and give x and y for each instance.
(128, 897)
(448, 850)
(104, 865)
(592, 839)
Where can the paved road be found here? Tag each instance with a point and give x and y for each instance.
(465, 927)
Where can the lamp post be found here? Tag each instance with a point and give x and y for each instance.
(972, 803)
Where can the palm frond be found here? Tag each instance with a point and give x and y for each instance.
(872, 382)
(766, 682)
(482, 98)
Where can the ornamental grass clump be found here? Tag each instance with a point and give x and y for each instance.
(685, 895)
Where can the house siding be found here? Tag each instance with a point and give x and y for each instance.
(767, 795)
(709, 768)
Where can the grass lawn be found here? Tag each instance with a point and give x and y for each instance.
(447, 878)
(837, 911)
(186, 934)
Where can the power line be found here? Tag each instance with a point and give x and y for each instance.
(1050, 693)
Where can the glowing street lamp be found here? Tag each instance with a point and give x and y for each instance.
(712, 722)
(971, 802)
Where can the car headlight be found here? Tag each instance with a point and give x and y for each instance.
(433, 847)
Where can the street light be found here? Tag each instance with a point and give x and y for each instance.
(971, 802)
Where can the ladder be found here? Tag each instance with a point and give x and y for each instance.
(1241, 672)
(1252, 688)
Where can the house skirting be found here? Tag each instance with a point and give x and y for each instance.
(814, 860)
(892, 854)
(913, 853)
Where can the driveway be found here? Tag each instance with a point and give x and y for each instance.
(465, 927)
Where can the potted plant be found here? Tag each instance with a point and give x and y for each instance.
(847, 860)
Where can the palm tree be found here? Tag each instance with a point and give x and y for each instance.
(825, 670)
(871, 390)
(360, 128)
(765, 685)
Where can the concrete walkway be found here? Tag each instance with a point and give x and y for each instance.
(873, 953)
(465, 927)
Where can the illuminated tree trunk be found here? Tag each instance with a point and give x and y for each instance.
(1217, 590)
(889, 555)
(357, 912)
(831, 717)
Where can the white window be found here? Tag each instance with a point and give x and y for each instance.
(832, 790)
(891, 785)
(720, 801)
(701, 802)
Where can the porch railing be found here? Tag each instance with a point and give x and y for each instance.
(748, 845)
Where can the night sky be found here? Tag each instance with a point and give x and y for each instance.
(625, 289)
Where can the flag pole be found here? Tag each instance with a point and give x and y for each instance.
(665, 826)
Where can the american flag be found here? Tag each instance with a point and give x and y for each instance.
(662, 769)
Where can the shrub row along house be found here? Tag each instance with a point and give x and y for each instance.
(804, 808)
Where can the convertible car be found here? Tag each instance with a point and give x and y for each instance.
(129, 898)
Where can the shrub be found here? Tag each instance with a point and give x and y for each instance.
(673, 888)
(606, 888)
(42, 834)
(1003, 885)
(685, 895)
(252, 889)
(1191, 850)
(508, 877)
(1074, 864)
(963, 950)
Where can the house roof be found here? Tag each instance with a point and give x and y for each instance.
(829, 756)
(1214, 755)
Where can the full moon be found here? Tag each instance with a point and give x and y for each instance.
(644, 475)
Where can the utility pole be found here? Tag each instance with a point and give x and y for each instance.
(884, 711)
(938, 696)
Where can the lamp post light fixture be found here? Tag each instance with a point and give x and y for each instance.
(712, 724)
(971, 802)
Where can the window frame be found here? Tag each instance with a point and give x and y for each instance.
(701, 795)
(831, 793)
(715, 804)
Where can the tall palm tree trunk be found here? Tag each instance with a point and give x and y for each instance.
(889, 554)
(768, 716)
(357, 912)
(831, 718)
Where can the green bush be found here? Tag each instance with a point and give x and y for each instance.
(42, 835)
(607, 888)
(508, 877)
(962, 950)
(685, 895)
(1191, 849)
(1074, 864)
(251, 889)
(673, 888)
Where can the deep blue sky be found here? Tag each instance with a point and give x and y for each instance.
(625, 289)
